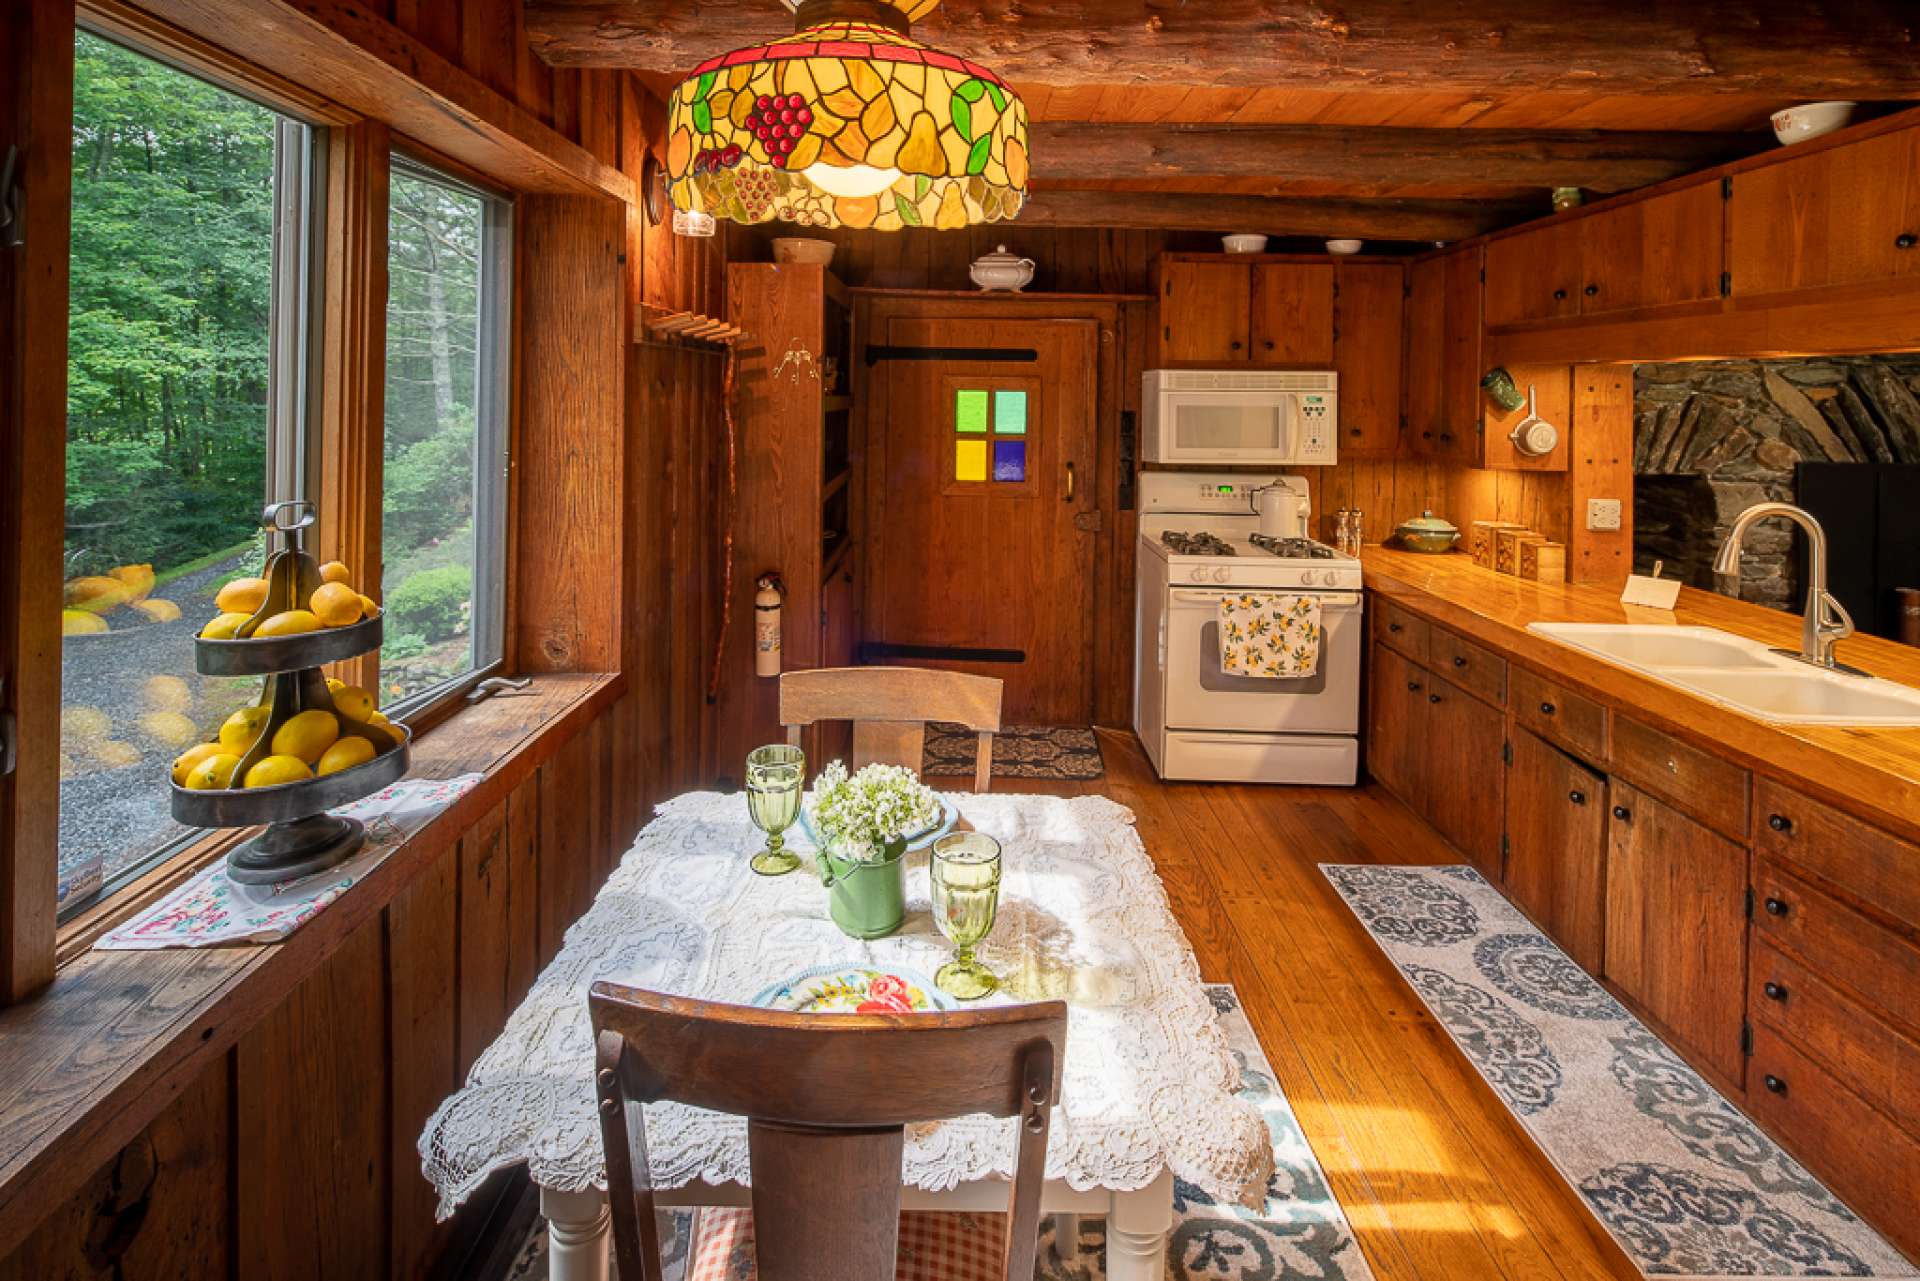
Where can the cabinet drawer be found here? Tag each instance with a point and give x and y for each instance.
(1704, 786)
(1870, 1164)
(1874, 867)
(1848, 948)
(1478, 671)
(1404, 631)
(1577, 723)
(1865, 1051)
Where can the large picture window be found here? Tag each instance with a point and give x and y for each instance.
(185, 416)
(443, 539)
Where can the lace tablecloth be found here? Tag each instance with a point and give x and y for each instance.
(1148, 1082)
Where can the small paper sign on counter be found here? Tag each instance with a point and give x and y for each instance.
(1652, 592)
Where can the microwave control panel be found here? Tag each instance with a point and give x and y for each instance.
(1318, 428)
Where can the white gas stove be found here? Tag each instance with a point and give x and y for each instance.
(1200, 541)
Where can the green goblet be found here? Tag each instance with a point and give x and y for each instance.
(774, 777)
(965, 874)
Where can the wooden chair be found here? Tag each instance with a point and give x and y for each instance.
(826, 1098)
(890, 708)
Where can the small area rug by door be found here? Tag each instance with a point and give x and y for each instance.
(1019, 751)
(1300, 1233)
(1687, 1185)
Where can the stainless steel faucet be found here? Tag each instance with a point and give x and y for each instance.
(1826, 619)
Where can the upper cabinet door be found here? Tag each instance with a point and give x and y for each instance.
(1292, 313)
(1652, 253)
(1846, 214)
(1203, 311)
(1460, 382)
(1534, 275)
(1426, 351)
(1367, 322)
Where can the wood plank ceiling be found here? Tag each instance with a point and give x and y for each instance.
(1408, 120)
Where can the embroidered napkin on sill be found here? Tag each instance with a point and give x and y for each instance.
(1270, 636)
(211, 909)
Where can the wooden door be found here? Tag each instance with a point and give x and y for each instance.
(1460, 382)
(1534, 275)
(1653, 253)
(1396, 725)
(1677, 925)
(1848, 213)
(1369, 310)
(1292, 313)
(1465, 778)
(1426, 351)
(1204, 311)
(978, 470)
(1557, 846)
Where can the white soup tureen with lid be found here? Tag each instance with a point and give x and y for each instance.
(1002, 270)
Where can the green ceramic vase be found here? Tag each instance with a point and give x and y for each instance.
(866, 900)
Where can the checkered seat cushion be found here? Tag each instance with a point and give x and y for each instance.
(935, 1245)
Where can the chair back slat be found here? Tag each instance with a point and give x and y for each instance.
(889, 708)
(810, 1186)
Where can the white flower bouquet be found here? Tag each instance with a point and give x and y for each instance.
(867, 817)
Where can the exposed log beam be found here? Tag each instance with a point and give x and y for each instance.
(1792, 48)
(1597, 160)
(1281, 216)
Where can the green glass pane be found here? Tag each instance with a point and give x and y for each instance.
(1010, 413)
(970, 411)
(969, 460)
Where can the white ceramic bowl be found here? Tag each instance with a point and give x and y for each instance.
(1244, 244)
(1343, 246)
(1810, 120)
(803, 249)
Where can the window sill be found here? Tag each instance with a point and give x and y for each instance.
(88, 1063)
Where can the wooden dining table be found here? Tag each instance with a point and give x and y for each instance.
(1148, 1085)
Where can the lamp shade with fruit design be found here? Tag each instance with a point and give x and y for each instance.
(848, 123)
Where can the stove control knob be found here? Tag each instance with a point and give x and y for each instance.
(1198, 575)
(1306, 578)
(1222, 574)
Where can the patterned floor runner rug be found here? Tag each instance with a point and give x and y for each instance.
(1685, 1183)
(1019, 751)
(1300, 1235)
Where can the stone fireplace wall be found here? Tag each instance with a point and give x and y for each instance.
(1711, 438)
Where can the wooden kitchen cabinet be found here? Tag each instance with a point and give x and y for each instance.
(1205, 310)
(1396, 725)
(1291, 315)
(1426, 351)
(1676, 925)
(1369, 309)
(1534, 275)
(1443, 366)
(1556, 856)
(1276, 311)
(1465, 790)
(1840, 215)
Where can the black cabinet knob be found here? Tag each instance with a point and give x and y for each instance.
(1269, 344)
(1235, 345)
(1393, 627)
(1413, 685)
(1459, 660)
(1774, 1084)
(1577, 797)
(1546, 709)
(1777, 907)
(1446, 435)
(1780, 822)
(1559, 295)
(1433, 698)
(1906, 240)
(1774, 991)
(1622, 813)
(1591, 290)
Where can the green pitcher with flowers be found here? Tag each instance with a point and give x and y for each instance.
(864, 822)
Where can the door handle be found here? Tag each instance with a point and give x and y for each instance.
(1070, 484)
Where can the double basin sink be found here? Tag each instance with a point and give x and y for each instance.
(1743, 674)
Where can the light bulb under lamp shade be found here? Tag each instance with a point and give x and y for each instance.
(692, 222)
(853, 182)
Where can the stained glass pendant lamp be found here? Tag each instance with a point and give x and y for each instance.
(849, 123)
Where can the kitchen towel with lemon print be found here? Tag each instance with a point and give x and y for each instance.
(1270, 635)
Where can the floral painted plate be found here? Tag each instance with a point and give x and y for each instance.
(918, 841)
(854, 989)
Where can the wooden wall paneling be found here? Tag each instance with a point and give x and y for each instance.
(566, 106)
(1552, 386)
(423, 1052)
(598, 766)
(36, 87)
(487, 47)
(350, 460)
(312, 1156)
(523, 890)
(1600, 466)
(532, 77)
(572, 358)
(561, 850)
(484, 861)
(434, 23)
(600, 114)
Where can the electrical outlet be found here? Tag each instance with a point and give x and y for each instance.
(1603, 513)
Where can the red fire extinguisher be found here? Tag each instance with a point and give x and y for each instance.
(766, 624)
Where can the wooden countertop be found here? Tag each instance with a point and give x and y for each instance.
(1872, 772)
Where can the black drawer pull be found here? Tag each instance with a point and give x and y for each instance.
(1413, 685)
(1774, 1084)
(1777, 907)
(1559, 295)
(1269, 344)
(1780, 822)
(1622, 813)
(1577, 797)
(1433, 698)
(1459, 660)
(1592, 290)
(1393, 627)
(1906, 240)
(1235, 345)
(1546, 709)
(1774, 991)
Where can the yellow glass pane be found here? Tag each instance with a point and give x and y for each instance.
(969, 460)
(970, 411)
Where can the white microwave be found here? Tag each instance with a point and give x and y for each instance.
(1254, 417)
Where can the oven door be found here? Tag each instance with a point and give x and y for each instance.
(1223, 427)
(1201, 696)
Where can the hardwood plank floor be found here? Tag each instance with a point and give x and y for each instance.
(1438, 1178)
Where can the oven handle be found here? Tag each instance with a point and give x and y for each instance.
(1330, 602)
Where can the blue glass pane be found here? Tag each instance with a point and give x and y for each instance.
(1010, 460)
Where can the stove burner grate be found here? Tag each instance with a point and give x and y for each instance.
(1200, 544)
(1292, 548)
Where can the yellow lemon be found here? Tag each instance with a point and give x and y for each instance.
(170, 728)
(345, 754)
(166, 694)
(242, 596)
(241, 728)
(288, 622)
(84, 722)
(156, 611)
(78, 622)
(377, 717)
(335, 605)
(224, 626)
(305, 736)
(212, 774)
(97, 594)
(367, 608)
(352, 702)
(335, 572)
(183, 764)
(116, 752)
(275, 770)
(138, 578)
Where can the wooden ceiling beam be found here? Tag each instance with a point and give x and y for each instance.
(1273, 216)
(1594, 159)
(1795, 49)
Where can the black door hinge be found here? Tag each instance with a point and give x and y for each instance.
(1746, 1037)
(1506, 847)
(1726, 284)
(12, 207)
(1749, 902)
(1506, 753)
(1726, 187)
